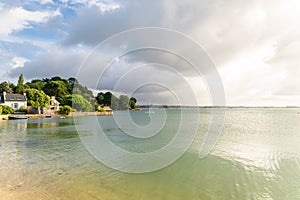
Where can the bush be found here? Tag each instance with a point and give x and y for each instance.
(100, 109)
(77, 101)
(23, 109)
(65, 110)
(7, 110)
(0, 110)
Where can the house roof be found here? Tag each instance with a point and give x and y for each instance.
(13, 97)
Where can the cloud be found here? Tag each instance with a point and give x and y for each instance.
(101, 5)
(17, 18)
(19, 62)
(288, 61)
(56, 62)
(215, 25)
(46, 1)
(254, 44)
(92, 26)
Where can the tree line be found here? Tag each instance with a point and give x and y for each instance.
(69, 92)
(121, 103)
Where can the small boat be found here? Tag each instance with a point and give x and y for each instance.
(17, 117)
(48, 116)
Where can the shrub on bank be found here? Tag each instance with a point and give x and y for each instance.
(22, 109)
(100, 109)
(65, 110)
(7, 110)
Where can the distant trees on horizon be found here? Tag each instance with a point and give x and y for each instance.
(121, 103)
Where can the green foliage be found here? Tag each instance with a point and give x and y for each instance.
(35, 84)
(114, 103)
(37, 98)
(7, 110)
(107, 97)
(56, 88)
(100, 98)
(123, 102)
(0, 110)
(59, 87)
(132, 102)
(67, 92)
(7, 87)
(23, 109)
(20, 85)
(76, 88)
(100, 109)
(77, 102)
(65, 110)
(72, 82)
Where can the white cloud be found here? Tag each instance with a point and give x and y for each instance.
(18, 62)
(100, 4)
(46, 1)
(17, 18)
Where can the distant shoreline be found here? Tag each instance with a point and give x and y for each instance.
(184, 106)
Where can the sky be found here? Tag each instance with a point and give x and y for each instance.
(253, 45)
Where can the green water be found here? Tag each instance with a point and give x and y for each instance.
(256, 157)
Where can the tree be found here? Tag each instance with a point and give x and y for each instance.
(37, 98)
(77, 102)
(100, 98)
(74, 87)
(20, 85)
(123, 102)
(132, 102)
(56, 88)
(72, 82)
(36, 84)
(114, 104)
(7, 87)
(107, 98)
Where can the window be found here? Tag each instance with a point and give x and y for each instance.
(19, 98)
(11, 98)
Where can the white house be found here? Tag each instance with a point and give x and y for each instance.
(13, 100)
(54, 104)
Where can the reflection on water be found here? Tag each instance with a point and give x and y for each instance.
(257, 157)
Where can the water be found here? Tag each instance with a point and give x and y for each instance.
(256, 157)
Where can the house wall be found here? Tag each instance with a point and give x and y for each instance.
(15, 104)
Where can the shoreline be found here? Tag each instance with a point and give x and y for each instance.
(73, 114)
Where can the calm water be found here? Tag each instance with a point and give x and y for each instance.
(256, 157)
